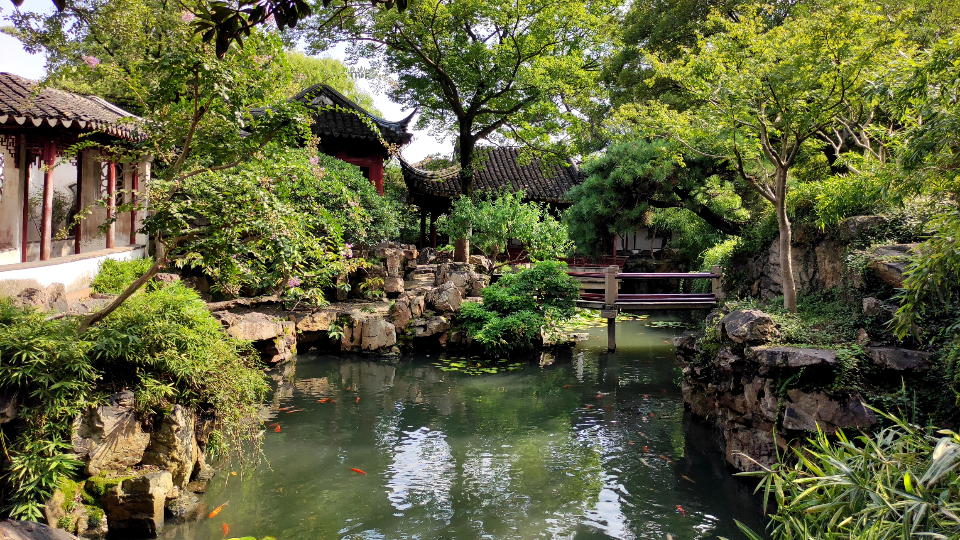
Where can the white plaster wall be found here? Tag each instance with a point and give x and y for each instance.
(74, 275)
(10, 208)
(639, 241)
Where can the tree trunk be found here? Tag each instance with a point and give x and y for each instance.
(786, 257)
(461, 252)
(98, 316)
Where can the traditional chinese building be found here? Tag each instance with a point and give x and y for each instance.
(346, 131)
(498, 169)
(42, 188)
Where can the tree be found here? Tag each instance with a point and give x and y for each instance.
(632, 178)
(483, 68)
(307, 71)
(764, 93)
(491, 221)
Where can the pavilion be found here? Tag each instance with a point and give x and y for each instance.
(42, 188)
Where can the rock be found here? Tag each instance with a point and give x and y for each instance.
(250, 326)
(110, 438)
(203, 474)
(400, 314)
(173, 447)
(393, 285)
(876, 308)
(890, 261)
(393, 260)
(748, 448)
(899, 359)
(579, 336)
(863, 338)
(198, 283)
(807, 411)
(316, 321)
(135, 506)
(430, 327)
(31, 297)
(9, 405)
(445, 298)
(688, 342)
(164, 278)
(856, 226)
(31, 530)
(478, 285)
(750, 326)
(417, 304)
(186, 507)
(427, 254)
(791, 357)
(482, 263)
(282, 347)
(53, 508)
(92, 525)
(377, 334)
(352, 331)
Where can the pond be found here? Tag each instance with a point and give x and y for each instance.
(584, 445)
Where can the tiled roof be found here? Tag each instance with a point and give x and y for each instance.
(346, 124)
(20, 106)
(499, 168)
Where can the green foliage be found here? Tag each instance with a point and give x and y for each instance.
(114, 276)
(829, 201)
(517, 307)
(825, 318)
(53, 375)
(307, 71)
(163, 344)
(902, 482)
(492, 220)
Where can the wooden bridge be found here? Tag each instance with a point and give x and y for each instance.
(610, 302)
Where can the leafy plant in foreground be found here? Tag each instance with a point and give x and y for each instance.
(902, 482)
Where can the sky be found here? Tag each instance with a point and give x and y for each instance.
(13, 59)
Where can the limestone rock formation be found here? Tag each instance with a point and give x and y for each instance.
(749, 326)
(173, 447)
(135, 507)
(446, 298)
(110, 437)
(899, 359)
(31, 530)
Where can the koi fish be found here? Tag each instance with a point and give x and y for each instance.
(285, 408)
(294, 410)
(332, 401)
(217, 510)
(647, 464)
(646, 448)
(568, 386)
(226, 529)
(278, 429)
(324, 400)
(688, 479)
(358, 400)
(666, 458)
(682, 512)
(645, 396)
(651, 415)
(588, 406)
(348, 388)
(357, 471)
(631, 443)
(233, 473)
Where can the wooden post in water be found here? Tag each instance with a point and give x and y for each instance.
(717, 282)
(610, 289)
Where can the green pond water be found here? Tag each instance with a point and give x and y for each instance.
(579, 445)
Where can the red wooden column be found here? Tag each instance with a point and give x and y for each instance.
(25, 185)
(376, 174)
(111, 201)
(135, 188)
(78, 228)
(46, 223)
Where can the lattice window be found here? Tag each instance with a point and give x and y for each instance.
(104, 178)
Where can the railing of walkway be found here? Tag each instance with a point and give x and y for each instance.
(610, 301)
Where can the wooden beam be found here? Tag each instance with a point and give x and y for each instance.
(46, 220)
(111, 202)
(78, 228)
(25, 187)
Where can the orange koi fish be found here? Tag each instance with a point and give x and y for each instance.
(631, 443)
(226, 529)
(278, 429)
(568, 386)
(666, 458)
(324, 400)
(588, 406)
(651, 415)
(348, 388)
(646, 448)
(688, 479)
(217, 510)
(682, 512)
(357, 471)
(358, 400)
(332, 401)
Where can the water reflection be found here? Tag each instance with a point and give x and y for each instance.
(587, 445)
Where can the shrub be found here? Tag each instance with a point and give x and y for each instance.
(902, 482)
(520, 305)
(163, 344)
(115, 276)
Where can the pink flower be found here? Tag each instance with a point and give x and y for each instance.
(187, 17)
(293, 282)
(91, 61)
(314, 160)
(270, 18)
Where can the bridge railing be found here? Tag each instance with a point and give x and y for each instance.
(610, 301)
